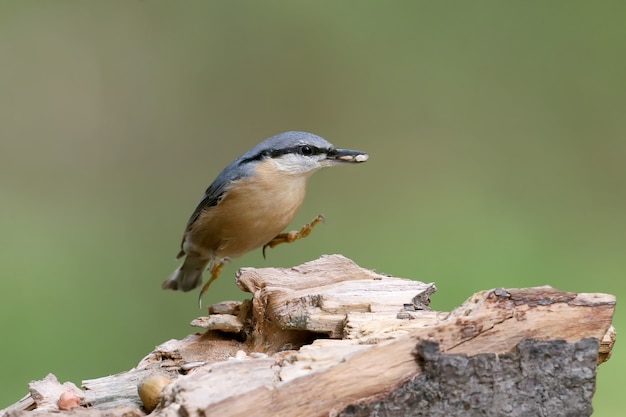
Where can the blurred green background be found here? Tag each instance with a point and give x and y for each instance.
(497, 135)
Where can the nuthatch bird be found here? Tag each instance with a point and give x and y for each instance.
(251, 202)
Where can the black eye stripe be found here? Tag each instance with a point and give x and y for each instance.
(311, 150)
(306, 150)
(299, 149)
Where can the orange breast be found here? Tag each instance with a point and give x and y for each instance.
(253, 211)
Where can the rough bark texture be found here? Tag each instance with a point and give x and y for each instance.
(331, 338)
(539, 378)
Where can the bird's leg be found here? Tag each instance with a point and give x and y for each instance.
(294, 234)
(216, 270)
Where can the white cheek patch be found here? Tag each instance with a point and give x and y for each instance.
(297, 164)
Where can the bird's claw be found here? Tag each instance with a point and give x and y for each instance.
(294, 235)
(216, 270)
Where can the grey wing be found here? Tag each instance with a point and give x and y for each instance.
(216, 191)
(214, 194)
(211, 197)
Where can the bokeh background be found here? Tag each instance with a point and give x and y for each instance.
(497, 135)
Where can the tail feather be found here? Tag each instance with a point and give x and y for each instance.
(187, 276)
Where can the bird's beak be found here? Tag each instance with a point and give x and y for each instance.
(337, 156)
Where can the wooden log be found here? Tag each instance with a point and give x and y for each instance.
(331, 338)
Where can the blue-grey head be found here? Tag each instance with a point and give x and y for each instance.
(293, 154)
(300, 153)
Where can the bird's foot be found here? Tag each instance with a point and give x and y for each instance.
(216, 270)
(294, 234)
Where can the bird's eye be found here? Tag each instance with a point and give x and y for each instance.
(306, 150)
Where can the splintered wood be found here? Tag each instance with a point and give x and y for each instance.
(332, 297)
(331, 338)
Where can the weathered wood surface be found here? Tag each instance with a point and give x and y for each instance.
(43, 395)
(316, 299)
(328, 337)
